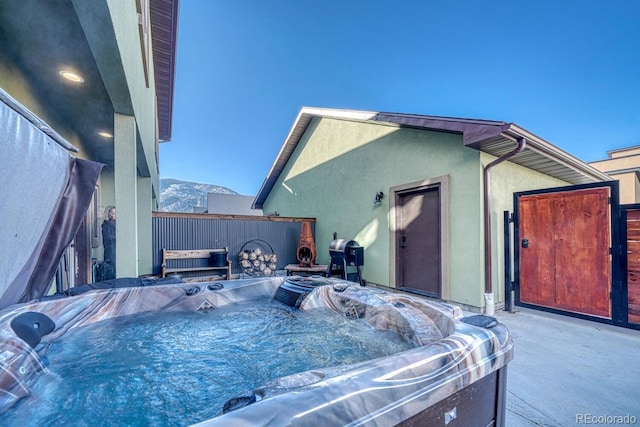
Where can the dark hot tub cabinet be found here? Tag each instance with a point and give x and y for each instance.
(455, 375)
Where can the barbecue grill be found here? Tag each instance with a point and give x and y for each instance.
(347, 256)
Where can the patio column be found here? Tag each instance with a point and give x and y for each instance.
(145, 201)
(126, 195)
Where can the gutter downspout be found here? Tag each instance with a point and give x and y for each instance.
(488, 290)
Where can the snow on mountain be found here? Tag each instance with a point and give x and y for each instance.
(183, 196)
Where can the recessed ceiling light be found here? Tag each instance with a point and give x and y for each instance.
(105, 134)
(71, 76)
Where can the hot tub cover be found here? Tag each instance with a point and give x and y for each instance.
(46, 192)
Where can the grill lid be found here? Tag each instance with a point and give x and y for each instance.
(341, 245)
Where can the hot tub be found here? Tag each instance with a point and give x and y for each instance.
(455, 375)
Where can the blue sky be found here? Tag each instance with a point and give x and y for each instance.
(568, 71)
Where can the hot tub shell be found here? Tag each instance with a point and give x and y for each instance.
(456, 374)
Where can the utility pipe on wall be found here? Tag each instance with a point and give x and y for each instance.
(489, 306)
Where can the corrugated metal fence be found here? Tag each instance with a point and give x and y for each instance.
(209, 231)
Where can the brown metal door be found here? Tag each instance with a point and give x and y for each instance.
(564, 250)
(418, 241)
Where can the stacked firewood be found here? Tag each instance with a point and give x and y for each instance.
(255, 262)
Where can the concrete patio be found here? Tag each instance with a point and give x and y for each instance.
(568, 371)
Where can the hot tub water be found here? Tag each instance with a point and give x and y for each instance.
(178, 368)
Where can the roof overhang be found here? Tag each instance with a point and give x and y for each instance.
(492, 137)
(38, 37)
(164, 32)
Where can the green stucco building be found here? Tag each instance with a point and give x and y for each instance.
(427, 234)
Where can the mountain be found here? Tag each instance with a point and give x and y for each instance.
(183, 196)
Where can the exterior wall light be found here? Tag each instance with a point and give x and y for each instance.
(378, 200)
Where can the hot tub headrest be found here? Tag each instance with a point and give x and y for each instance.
(31, 326)
(293, 290)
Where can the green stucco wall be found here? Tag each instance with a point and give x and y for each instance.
(141, 89)
(143, 101)
(339, 166)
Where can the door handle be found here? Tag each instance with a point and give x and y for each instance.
(525, 243)
(404, 242)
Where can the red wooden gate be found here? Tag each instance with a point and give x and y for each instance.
(633, 264)
(577, 252)
(564, 250)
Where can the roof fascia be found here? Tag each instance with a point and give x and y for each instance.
(539, 145)
(163, 15)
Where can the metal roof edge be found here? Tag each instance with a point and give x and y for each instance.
(164, 18)
(544, 147)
